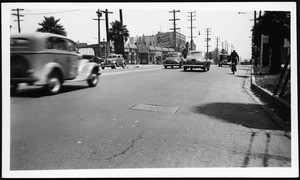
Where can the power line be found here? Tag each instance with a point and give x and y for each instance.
(52, 12)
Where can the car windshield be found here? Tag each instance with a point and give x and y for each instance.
(19, 42)
(173, 55)
(195, 54)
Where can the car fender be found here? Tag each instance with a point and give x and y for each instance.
(47, 69)
(85, 69)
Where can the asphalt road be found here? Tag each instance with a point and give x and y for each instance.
(146, 118)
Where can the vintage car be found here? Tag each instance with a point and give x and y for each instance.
(93, 58)
(113, 61)
(224, 60)
(173, 59)
(195, 59)
(48, 60)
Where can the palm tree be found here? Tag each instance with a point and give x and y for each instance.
(51, 25)
(118, 34)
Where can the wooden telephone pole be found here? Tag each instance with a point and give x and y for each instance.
(192, 42)
(106, 12)
(174, 28)
(18, 16)
(99, 14)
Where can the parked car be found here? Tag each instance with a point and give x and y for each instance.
(195, 59)
(93, 58)
(113, 61)
(49, 60)
(224, 60)
(173, 59)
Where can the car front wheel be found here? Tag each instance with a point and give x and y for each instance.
(94, 79)
(54, 83)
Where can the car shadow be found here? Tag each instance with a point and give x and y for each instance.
(169, 68)
(37, 92)
(241, 76)
(193, 71)
(246, 115)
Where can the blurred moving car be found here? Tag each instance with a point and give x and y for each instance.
(49, 60)
(113, 61)
(195, 59)
(225, 60)
(173, 59)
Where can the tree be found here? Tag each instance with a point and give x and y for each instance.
(51, 25)
(275, 24)
(119, 34)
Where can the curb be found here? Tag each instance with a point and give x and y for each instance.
(270, 98)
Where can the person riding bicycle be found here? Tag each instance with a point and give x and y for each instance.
(234, 58)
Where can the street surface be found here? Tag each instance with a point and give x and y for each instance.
(146, 118)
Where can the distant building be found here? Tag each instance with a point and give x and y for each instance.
(161, 39)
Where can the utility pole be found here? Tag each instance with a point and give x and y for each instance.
(121, 16)
(121, 20)
(192, 15)
(99, 14)
(18, 16)
(208, 32)
(217, 50)
(107, 28)
(174, 28)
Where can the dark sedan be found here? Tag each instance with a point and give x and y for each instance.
(173, 59)
(196, 59)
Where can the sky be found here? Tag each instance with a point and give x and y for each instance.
(231, 22)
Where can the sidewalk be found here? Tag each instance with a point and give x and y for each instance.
(275, 106)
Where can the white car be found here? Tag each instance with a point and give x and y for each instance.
(49, 60)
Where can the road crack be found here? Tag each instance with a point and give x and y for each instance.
(123, 152)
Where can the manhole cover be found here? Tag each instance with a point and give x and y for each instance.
(154, 108)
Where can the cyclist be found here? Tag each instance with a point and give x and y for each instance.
(234, 58)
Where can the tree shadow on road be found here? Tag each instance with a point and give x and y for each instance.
(36, 92)
(248, 115)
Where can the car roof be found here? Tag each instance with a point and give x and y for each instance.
(36, 35)
(38, 39)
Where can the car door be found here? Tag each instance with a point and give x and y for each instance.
(58, 54)
(73, 59)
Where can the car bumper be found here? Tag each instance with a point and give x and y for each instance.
(172, 64)
(194, 65)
